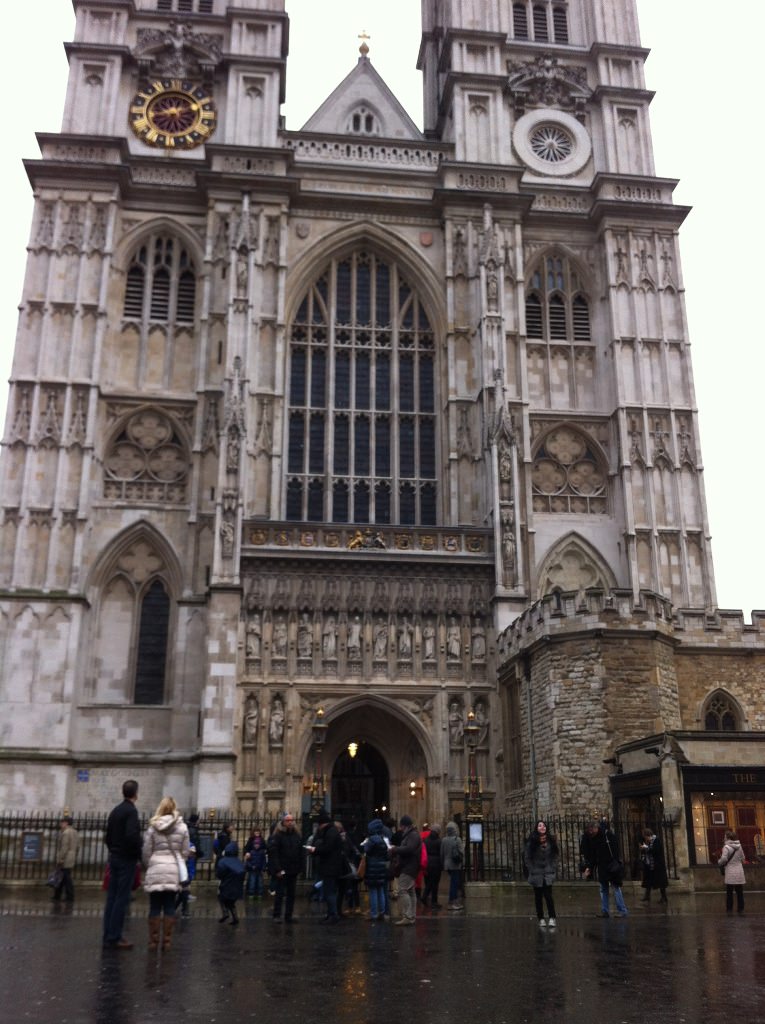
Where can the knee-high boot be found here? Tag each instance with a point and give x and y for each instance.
(155, 924)
(169, 923)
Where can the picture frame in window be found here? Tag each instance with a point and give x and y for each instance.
(718, 818)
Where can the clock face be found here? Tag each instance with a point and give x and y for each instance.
(172, 114)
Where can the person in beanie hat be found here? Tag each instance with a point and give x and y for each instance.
(408, 853)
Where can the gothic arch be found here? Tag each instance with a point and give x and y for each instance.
(720, 704)
(370, 702)
(133, 239)
(585, 273)
(351, 237)
(573, 564)
(107, 563)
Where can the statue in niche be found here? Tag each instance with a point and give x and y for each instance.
(429, 641)
(456, 724)
(251, 715)
(276, 722)
(481, 712)
(280, 639)
(492, 291)
(478, 641)
(226, 538)
(508, 541)
(329, 638)
(453, 640)
(304, 637)
(254, 635)
(354, 638)
(405, 638)
(381, 640)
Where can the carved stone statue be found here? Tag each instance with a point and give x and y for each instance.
(405, 638)
(453, 640)
(429, 641)
(251, 715)
(254, 635)
(478, 641)
(481, 712)
(329, 638)
(276, 722)
(381, 640)
(456, 724)
(305, 636)
(280, 639)
(354, 638)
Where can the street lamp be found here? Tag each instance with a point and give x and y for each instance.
(318, 788)
(473, 802)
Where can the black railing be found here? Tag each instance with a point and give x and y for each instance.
(28, 844)
(498, 854)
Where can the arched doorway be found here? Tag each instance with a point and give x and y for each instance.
(360, 786)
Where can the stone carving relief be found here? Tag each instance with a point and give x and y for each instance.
(354, 638)
(573, 566)
(380, 638)
(478, 641)
(305, 636)
(77, 433)
(481, 713)
(545, 82)
(453, 640)
(49, 431)
(405, 634)
(177, 52)
(72, 228)
(429, 641)
(279, 638)
(264, 440)
(329, 639)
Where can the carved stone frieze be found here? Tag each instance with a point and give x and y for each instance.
(545, 82)
(177, 52)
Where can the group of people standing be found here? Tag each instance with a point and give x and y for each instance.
(407, 860)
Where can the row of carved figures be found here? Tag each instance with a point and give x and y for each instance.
(401, 634)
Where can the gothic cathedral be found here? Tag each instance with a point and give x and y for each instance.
(326, 446)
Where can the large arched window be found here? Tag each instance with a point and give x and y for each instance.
(361, 422)
(147, 460)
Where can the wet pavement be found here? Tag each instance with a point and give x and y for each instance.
(492, 964)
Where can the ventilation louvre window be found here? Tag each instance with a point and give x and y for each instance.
(560, 24)
(164, 291)
(371, 446)
(520, 22)
(555, 301)
(540, 24)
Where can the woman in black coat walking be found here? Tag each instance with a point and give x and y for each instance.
(654, 866)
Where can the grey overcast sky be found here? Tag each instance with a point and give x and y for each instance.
(706, 133)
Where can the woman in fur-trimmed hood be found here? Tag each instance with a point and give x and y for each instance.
(732, 863)
(165, 852)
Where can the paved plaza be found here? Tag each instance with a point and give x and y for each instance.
(491, 965)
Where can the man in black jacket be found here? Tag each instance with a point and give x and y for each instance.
(285, 862)
(599, 851)
(123, 840)
(408, 853)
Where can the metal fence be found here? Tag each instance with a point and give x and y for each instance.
(28, 844)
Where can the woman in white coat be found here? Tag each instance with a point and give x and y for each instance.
(165, 852)
(732, 863)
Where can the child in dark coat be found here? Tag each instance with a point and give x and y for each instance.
(230, 870)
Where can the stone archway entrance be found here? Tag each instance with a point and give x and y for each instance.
(360, 786)
(391, 767)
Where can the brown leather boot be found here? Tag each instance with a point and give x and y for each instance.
(169, 925)
(155, 923)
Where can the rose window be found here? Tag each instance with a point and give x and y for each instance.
(551, 143)
(147, 461)
(567, 475)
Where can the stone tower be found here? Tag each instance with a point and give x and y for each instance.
(300, 421)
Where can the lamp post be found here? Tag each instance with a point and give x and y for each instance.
(318, 788)
(473, 800)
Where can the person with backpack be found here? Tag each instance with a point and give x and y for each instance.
(230, 872)
(452, 858)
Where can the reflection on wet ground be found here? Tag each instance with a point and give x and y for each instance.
(692, 964)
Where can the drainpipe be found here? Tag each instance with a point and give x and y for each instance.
(526, 662)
